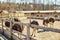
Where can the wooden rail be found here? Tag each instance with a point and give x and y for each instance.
(44, 28)
(41, 27)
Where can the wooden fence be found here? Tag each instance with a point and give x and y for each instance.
(28, 30)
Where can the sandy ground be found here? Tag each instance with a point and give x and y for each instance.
(43, 35)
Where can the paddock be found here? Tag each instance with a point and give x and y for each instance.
(49, 33)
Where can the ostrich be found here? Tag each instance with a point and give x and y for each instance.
(16, 26)
(7, 22)
(51, 21)
(34, 29)
(45, 22)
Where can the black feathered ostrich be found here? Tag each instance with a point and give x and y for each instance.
(34, 29)
(45, 22)
(51, 21)
(16, 26)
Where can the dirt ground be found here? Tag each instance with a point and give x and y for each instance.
(45, 35)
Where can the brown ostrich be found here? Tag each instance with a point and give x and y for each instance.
(45, 22)
(16, 26)
(51, 21)
(7, 22)
(34, 29)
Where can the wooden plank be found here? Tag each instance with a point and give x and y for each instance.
(40, 27)
(44, 28)
(28, 32)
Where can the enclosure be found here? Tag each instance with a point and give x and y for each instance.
(20, 14)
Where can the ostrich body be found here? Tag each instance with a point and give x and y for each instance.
(34, 29)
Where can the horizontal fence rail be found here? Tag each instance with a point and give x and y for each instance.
(41, 27)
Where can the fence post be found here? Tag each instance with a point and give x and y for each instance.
(28, 32)
(2, 27)
(11, 38)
